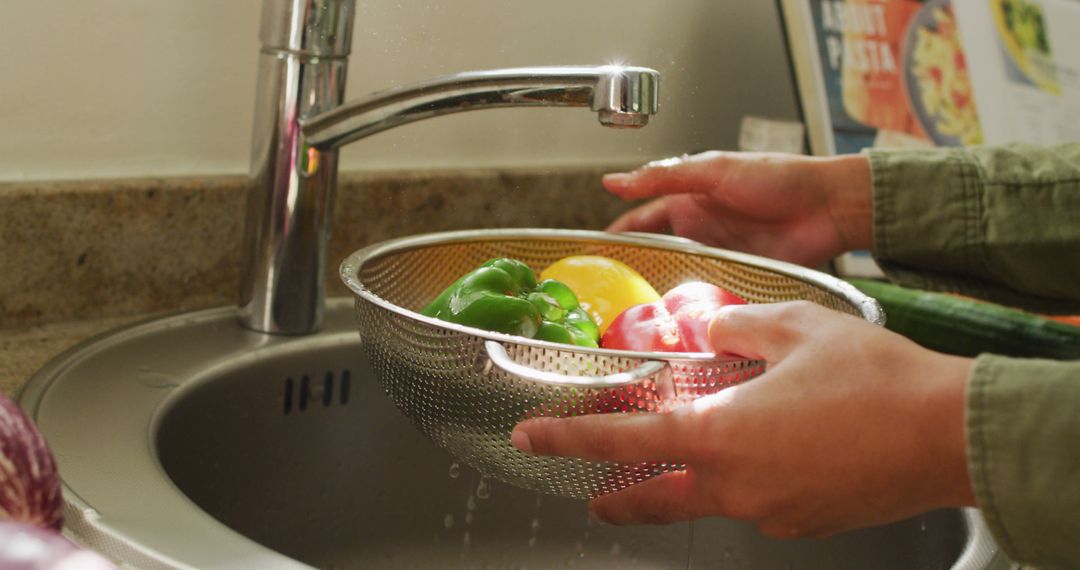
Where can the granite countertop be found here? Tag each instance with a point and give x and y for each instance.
(84, 257)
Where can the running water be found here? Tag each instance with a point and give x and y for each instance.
(690, 546)
(534, 530)
(466, 542)
(534, 525)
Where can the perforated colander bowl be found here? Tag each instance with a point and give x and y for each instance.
(466, 388)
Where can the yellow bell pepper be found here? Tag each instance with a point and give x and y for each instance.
(605, 287)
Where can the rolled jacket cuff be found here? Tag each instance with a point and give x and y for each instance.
(1023, 453)
(927, 209)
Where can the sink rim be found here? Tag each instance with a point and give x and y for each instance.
(86, 514)
(142, 541)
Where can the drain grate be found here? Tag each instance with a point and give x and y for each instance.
(308, 391)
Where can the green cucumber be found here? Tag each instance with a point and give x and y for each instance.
(966, 327)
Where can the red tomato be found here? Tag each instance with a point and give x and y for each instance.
(678, 322)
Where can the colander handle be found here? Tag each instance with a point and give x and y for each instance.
(499, 358)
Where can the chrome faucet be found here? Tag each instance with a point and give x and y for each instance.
(300, 122)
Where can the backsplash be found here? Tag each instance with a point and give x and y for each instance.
(104, 248)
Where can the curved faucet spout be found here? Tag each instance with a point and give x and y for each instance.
(621, 97)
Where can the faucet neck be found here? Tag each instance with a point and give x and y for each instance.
(321, 28)
(302, 68)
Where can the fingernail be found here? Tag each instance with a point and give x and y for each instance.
(617, 178)
(520, 440)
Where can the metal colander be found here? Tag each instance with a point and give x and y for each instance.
(466, 388)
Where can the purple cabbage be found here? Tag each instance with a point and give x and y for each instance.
(29, 484)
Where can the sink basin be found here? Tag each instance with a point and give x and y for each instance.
(189, 442)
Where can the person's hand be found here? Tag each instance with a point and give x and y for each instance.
(795, 208)
(850, 426)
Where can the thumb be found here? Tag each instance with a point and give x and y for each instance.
(757, 332)
(697, 174)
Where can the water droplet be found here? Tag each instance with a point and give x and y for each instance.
(539, 499)
(616, 550)
(532, 542)
(468, 518)
(534, 526)
(151, 379)
(466, 541)
(448, 520)
(470, 503)
(455, 470)
(922, 525)
(579, 546)
(483, 490)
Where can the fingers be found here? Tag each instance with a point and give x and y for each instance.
(768, 331)
(652, 217)
(624, 438)
(667, 498)
(682, 175)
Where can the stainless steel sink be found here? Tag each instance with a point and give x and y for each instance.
(192, 442)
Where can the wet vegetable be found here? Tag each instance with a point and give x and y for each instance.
(678, 322)
(502, 295)
(605, 287)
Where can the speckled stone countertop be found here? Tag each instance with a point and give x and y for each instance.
(79, 258)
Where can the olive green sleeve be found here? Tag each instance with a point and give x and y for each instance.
(1000, 223)
(1023, 445)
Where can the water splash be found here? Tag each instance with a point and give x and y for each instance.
(455, 470)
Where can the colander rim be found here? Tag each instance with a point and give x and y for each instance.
(869, 308)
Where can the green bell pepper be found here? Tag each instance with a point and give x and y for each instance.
(502, 295)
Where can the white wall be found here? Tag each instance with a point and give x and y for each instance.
(117, 88)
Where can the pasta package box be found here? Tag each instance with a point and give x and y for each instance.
(888, 73)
